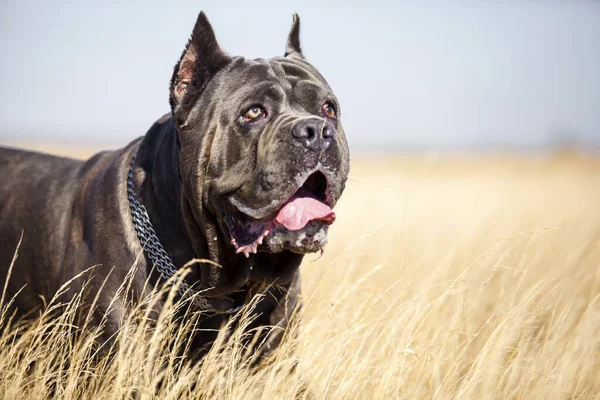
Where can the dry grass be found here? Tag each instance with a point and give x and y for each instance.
(466, 278)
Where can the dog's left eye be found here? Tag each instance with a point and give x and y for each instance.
(328, 110)
(253, 114)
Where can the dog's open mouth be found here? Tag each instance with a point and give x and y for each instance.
(300, 225)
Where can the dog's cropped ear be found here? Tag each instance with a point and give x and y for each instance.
(292, 47)
(200, 61)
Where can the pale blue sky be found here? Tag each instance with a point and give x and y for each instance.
(423, 74)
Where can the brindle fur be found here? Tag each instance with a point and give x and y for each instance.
(191, 164)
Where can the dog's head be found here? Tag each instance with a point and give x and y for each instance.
(262, 147)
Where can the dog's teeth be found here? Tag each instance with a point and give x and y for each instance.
(246, 254)
(260, 240)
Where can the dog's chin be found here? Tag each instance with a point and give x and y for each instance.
(310, 239)
(249, 236)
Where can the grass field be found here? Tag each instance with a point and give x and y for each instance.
(472, 278)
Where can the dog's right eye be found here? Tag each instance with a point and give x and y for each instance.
(253, 114)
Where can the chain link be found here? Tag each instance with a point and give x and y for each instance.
(155, 251)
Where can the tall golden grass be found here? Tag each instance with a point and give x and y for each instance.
(444, 278)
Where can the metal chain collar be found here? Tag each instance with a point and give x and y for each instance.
(154, 249)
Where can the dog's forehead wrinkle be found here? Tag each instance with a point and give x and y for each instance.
(268, 90)
(262, 80)
(277, 70)
(314, 86)
(260, 71)
(300, 70)
(235, 63)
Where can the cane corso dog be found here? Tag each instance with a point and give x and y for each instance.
(243, 171)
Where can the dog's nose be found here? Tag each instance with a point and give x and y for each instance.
(316, 134)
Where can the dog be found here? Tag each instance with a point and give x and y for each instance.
(244, 171)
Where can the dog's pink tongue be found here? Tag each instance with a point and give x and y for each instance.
(299, 211)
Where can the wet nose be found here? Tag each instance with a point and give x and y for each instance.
(316, 134)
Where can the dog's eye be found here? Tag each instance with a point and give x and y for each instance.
(328, 110)
(253, 114)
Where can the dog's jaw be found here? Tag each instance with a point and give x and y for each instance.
(299, 224)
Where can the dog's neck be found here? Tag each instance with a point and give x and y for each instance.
(159, 188)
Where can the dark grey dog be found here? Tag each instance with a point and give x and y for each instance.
(244, 171)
